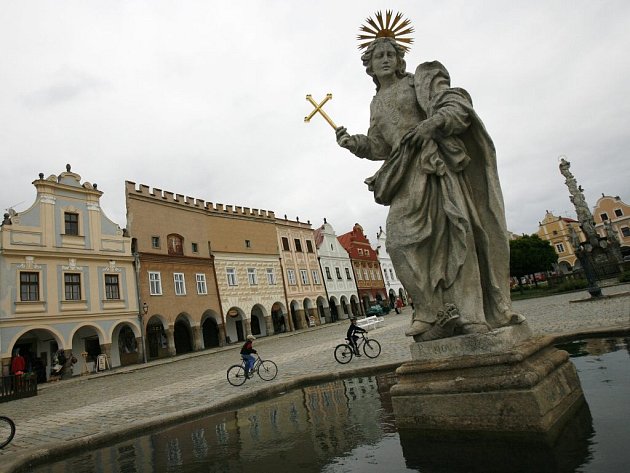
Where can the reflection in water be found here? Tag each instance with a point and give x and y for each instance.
(348, 426)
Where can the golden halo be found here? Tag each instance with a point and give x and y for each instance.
(386, 29)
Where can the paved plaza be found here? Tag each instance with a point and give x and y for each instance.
(106, 406)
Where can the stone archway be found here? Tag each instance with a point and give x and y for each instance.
(210, 332)
(157, 341)
(235, 329)
(278, 318)
(296, 316)
(38, 347)
(258, 321)
(182, 336)
(334, 312)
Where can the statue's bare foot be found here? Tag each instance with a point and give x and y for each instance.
(516, 318)
(417, 327)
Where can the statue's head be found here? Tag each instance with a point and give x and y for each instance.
(366, 57)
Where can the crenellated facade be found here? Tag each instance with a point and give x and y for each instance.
(304, 288)
(337, 273)
(234, 247)
(67, 281)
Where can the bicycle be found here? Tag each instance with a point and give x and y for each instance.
(345, 351)
(7, 431)
(266, 369)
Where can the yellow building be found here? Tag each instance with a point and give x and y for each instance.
(617, 213)
(67, 281)
(304, 286)
(557, 230)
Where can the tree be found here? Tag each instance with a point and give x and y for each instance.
(530, 254)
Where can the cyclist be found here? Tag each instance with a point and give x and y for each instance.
(246, 354)
(352, 338)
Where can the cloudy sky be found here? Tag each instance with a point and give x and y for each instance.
(207, 98)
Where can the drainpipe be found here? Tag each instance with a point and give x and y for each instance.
(136, 260)
(286, 299)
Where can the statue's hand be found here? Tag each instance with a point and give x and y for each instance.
(345, 140)
(418, 135)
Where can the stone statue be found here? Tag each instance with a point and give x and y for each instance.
(446, 230)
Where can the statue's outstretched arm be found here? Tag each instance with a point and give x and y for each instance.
(362, 146)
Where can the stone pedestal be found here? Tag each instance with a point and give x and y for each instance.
(501, 381)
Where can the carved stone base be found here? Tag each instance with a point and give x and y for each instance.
(475, 383)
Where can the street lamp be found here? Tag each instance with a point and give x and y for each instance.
(145, 310)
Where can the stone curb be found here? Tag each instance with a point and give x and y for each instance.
(58, 450)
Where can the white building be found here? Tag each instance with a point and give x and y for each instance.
(392, 283)
(337, 272)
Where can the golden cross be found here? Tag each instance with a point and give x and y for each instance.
(318, 108)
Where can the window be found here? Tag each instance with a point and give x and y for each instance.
(112, 289)
(231, 276)
(391, 273)
(251, 276)
(625, 231)
(195, 248)
(71, 221)
(366, 275)
(180, 284)
(386, 277)
(155, 242)
(348, 274)
(360, 252)
(304, 276)
(29, 286)
(555, 232)
(560, 248)
(618, 213)
(155, 283)
(291, 277)
(359, 278)
(315, 276)
(366, 252)
(285, 244)
(248, 243)
(377, 275)
(72, 285)
(202, 287)
(309, 246)
(298, 245)
(271, 276)
(604, 216)
(328, 276)
(338, 272)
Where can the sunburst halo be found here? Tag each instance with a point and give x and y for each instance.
(390, 28)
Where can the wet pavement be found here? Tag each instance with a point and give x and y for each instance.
(84, 411)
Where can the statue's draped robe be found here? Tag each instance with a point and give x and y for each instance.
(446, 231)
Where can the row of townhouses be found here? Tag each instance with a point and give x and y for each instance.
(183, 275)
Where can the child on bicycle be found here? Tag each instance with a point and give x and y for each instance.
(352, 338)
(246, 354)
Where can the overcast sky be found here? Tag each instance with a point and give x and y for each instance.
(207, 99)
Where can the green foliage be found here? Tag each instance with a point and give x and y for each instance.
(624, 277)
(530, 254)
(572, 285)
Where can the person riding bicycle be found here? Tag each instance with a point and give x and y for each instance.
(246, 354)
(352, 338)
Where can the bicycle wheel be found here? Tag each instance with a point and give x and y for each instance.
(236, 375)
(371, 348)
(7, 431)
(267, 370)
(343, 353)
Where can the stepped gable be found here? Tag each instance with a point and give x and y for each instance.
(210, 208)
